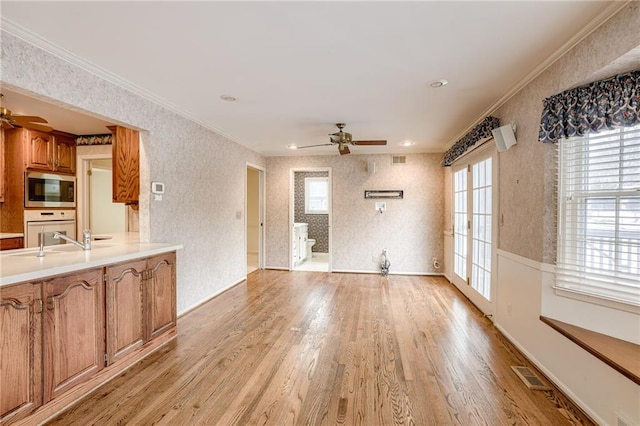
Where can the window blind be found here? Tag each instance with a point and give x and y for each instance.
(599, 215)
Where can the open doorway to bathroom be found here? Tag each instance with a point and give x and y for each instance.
(310, 219)
(254, 216)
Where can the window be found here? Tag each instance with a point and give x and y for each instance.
(316, 195)
(599, 215)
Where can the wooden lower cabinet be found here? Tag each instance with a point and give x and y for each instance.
(21, 346)
(140, 303)
(11, 243)
(73, 331)
(125, 306)
(62, 337)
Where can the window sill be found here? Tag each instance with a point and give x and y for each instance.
(618, 354)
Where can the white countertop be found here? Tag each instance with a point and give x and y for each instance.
(23, 264)
(4, 235)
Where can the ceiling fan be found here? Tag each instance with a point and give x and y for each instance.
(343, 139)
(9, 121)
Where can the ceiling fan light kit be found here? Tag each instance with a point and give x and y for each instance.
(342, 139)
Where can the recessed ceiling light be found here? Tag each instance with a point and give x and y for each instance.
(407, 143)
(438, 83)
(292, 147)
(228, 98)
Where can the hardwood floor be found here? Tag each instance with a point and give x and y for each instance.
(318, 348)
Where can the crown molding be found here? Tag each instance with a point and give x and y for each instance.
(70, 57)
(594, 24)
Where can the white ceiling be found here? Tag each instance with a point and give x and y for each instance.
(299, 67)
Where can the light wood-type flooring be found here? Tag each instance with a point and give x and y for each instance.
(317, 348)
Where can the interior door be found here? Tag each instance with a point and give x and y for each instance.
(474, 229)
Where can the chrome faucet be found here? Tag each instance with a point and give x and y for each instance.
(86, 235)
(41, 238)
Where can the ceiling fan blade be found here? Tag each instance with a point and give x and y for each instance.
(313, 146)
(343, 149)
(6, 124)
(379, 142)
(28, 119)
(34, 126)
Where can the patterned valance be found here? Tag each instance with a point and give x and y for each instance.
(478, 133)
(105, 139)
(591, 108)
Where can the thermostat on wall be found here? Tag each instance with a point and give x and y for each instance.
(157, 188)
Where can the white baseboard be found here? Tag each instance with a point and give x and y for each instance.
(376, 272)
(197, 305)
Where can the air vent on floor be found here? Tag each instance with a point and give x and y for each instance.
(398, 159)
(529, 378)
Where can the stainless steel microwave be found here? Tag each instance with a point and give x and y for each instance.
(49, 190)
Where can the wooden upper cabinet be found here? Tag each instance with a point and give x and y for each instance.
(39, 150)
(21, 343)
(73, 330)
(52, 152)
(64, 153)
(3, 177)
(126, 165)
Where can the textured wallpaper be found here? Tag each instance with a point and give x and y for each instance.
(527, 182)
(410, 229)
(204, 173)
(318, 223)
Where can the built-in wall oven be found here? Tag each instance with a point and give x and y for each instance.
(46, 190)
(44, 223)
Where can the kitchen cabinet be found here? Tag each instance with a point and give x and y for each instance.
(21, 360)
(126, 165)
(125, 305)
(48, 152)
(141, 304)
(73, 330)
(62, 337)
(3, 178)
(11, 243)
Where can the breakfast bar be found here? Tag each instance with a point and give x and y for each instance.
(73, 319)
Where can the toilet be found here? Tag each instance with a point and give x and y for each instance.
(310, 243)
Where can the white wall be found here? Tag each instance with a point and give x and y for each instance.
(204, 172)
(410, 229)
(107, 217)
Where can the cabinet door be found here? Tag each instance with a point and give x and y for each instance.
(65, 155)
(126, 165)
(160, 286)
(39, 150)
(21, 343)
(73, 330)
(3, 178)
(125, 319)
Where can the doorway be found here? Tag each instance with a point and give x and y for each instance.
(254, 218)
(310, 219)
(96, 209)
(475, 230)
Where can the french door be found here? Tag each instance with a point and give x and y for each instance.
(473, 251)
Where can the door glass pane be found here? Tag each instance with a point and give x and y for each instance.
(460, 223)
(481, 231)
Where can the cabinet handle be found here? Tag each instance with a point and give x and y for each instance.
(50, 305)
(39, 306)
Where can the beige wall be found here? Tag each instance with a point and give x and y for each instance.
(527, 171)
(410, 229)
(204, 173)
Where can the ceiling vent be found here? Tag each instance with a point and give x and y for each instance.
(397, 160)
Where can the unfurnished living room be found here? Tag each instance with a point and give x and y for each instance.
(359, 213)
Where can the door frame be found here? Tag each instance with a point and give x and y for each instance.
(261, 214)
(292, 199)
(487, 150)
